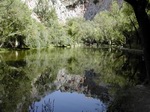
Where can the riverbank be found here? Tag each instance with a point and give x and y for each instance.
(134, 99)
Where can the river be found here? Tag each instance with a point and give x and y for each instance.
(65, 80)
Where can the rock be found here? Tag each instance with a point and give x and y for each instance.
(60, 7)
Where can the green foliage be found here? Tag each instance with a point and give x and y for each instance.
(14, 21)
(74, 29)
(37, 36)
(59, 36)
(18, 25)
(110, 21)
(45, 12)
(115, 26)
(49, 31)
(106, 28)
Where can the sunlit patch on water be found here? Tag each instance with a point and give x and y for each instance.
(67, 102)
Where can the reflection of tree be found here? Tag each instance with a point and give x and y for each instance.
(43, 82)
(133, 68)
(77, 64)
(14, 86)
(85, 71)
(46, 107)
(82, 84)
(16, 64)
(95, 89)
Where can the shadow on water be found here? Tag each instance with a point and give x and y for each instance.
(67, 80)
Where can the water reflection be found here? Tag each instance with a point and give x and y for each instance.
(14, 86)
(71, 87)
(90, 75)
(68, 102)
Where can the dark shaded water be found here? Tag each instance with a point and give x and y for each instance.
(65, 80)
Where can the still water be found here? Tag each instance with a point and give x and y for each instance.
(64, 80)
(68, 102)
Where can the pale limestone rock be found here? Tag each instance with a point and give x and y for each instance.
(60, 6)
(87, 9)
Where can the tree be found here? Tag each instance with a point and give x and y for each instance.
(45, 12)
(139, 8)
(14, 21)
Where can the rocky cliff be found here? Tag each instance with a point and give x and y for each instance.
(74, 8)
(64, 9)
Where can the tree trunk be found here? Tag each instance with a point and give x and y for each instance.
(144, 24)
